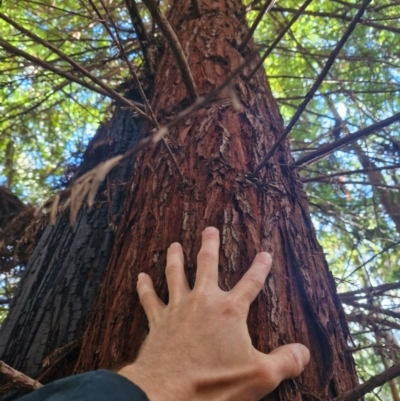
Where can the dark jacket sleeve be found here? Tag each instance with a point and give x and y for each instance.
(99, 385)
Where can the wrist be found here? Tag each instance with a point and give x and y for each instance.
(156, 386)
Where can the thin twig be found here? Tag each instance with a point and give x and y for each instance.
(19, 378)
(47, 66)
(175, 46)
(372, 258)
(281, 34)
(374, 309)
(370, 291)
(56, 50)
(350, 172)
(325, 150)
(265, 8)
(314, 88)
(372, 184)
(374, 382)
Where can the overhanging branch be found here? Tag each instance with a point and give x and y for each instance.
(110, 92)
(281, 34)
(176, 47)
(350, 172)
(18, 378)
(264, 9)
(329, 148)
(314, 88)
(369, 385)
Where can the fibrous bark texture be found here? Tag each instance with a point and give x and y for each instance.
(50, 310)
(215, 147)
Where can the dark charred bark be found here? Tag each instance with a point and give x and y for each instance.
(42, 334)
(215, 148)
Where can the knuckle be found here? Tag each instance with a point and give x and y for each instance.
(145, 295)
(172, 268)
(255, 280)
(206, 255)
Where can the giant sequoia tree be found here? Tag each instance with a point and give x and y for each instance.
(203, 144)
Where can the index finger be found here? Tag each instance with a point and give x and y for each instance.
(253, 280)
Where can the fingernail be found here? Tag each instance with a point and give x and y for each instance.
(210, 230)
(264, 257)
(305, 353)
(175, 245)
(140, 276)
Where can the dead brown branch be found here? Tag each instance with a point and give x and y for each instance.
(19, 378)
(369, 385)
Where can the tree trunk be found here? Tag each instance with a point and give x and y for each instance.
(215, 148)
(42, 333)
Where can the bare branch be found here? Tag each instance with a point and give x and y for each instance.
(325, 150)
(47, 66)
(279, 37)
(18, 378)
(343, 173)
(176, 47)
(372, 258)
(111, 92)
(314, 88)
(370, 291)
(265, 8)
(372, 308)
(369, 385)
(342, 16)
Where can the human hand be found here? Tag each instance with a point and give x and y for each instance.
(199, 347)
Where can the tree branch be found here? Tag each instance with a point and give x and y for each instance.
(281, 34)
(111, 92)
(369, 385)
(18, 378)
(141, 33)
(329, 148)
(176, 48)
(314, 88)
(265, 8)
(374, 309)
(370, 291)
(350, 172)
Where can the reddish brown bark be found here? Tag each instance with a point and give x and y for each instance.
(215, 148)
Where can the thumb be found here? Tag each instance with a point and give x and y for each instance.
(289, 360)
